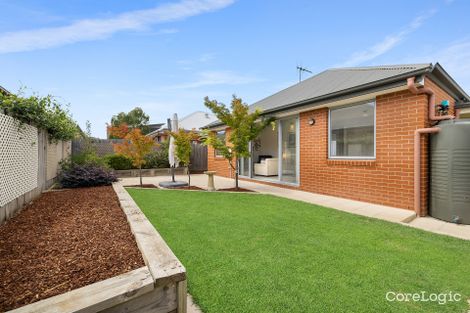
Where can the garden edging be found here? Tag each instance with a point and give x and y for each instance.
(158, 287)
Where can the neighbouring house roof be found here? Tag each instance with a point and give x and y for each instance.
(155, 126)
(158, 131)
(196, 120)
(193, 121)
(338, 82)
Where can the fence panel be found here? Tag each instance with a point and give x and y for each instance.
(25, 167)
(102, 146)
(18, 159)
(42, 159)
(198, 157)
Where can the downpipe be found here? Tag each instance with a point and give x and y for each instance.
(417, 167)
(417, 139)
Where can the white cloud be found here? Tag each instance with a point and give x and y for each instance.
(95, 29)
(188, 64)
(454, 57)
(388, 43)
(211, 78)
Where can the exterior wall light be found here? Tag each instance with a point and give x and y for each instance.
(311, 121)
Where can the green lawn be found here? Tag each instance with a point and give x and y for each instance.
(259, 253)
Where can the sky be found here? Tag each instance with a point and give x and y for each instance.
(104, 57)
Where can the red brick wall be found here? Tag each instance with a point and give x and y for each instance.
(219, 164)
(440, 93)
(388, 179)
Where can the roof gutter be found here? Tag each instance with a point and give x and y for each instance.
(454, 84)
(462, 105)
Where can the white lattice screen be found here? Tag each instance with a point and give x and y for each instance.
(18, 159)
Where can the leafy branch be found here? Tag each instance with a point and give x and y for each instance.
(42, 112)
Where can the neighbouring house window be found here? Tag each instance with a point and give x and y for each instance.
(352, 131)
(221, 135)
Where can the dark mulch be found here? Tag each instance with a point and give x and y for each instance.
(62, 241)
(188, 188)
(235, 189)
(144, 186)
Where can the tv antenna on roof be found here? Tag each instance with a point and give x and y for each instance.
(302, 69)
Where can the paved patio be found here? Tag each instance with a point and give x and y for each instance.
(391, 214)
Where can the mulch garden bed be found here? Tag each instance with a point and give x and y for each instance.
(62, 241)
(144, 186)
(189, 188)
(235, 189)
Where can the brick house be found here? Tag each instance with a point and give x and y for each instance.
(349, 132)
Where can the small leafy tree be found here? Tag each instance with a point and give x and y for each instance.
(244, 125)
(183, 148)
(136, 118)
(135, 145)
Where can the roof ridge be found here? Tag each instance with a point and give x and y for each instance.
(382, 67)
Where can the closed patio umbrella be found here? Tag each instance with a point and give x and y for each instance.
(172, 158)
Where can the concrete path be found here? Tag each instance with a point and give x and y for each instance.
(391, 214)
(440, 227)
(192, 307)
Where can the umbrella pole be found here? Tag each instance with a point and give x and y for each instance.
(173, 173)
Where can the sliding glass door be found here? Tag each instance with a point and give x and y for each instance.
(244, 165)
(288, 149)
(282, 145)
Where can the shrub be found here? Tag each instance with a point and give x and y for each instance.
(156, 159)
(118, 162)
(86, 176)
(82, 159)
(88, 158)
(159, 157)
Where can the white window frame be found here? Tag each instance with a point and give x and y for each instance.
(375, 133)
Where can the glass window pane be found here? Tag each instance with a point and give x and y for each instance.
(352, 131)
(289, 150)
(221, 135)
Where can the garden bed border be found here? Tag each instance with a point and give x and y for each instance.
(148, 172)
(159, 287)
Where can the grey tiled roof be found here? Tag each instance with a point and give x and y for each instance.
(335, 80)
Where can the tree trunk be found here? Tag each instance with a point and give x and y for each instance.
(236, 173)
(189, 179)
(140, 174)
